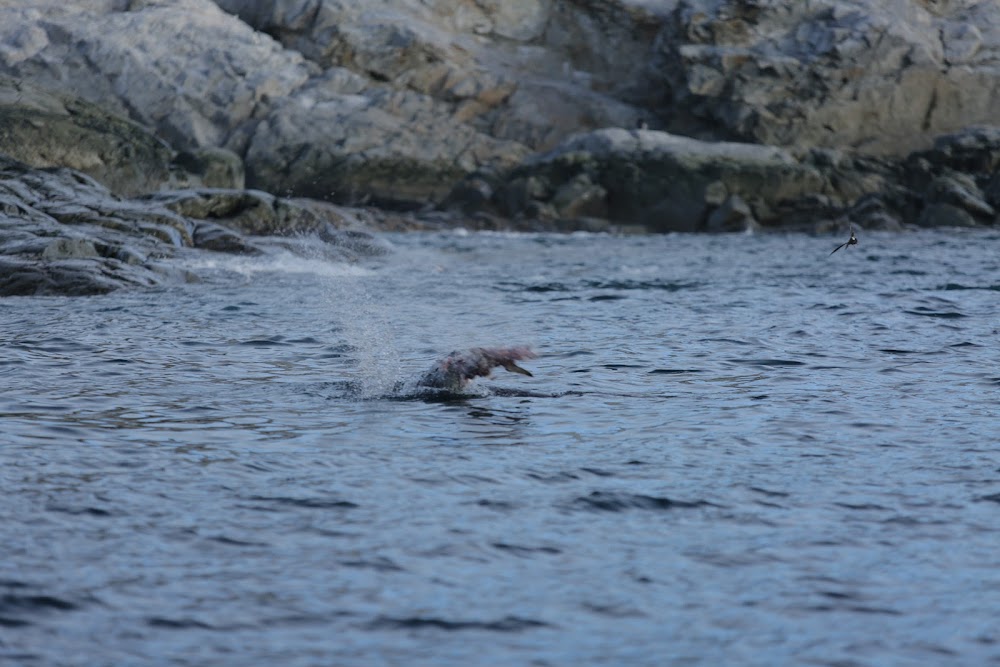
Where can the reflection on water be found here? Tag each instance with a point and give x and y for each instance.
(733, 451)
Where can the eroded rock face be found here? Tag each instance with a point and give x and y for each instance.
(390, 148)
(880, 77)
(417, 95)
(388, 102)
(956, 181)
(186, 69)
(46, 129)
(530, 72)
(49, 129)
(63, 233)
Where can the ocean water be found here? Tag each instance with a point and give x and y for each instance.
(735, 450)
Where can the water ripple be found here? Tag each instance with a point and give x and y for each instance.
(609, 501)
(768, 445)
(506, 624)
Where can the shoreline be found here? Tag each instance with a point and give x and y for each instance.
(218, 124)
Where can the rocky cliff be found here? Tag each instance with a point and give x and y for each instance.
(475, 105)
(879, 76)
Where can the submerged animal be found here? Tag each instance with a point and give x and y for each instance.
(456, 370)
(848, 243)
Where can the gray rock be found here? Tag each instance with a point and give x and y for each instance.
(68, 277)
(395, 149)
(521, 191)
(872, 213)
(256, 214)
(734, 215)
(974, 150)
(208, 168)
(210, 236)
(391, 102)
(991, 190)
(960, 190)
(185, 68)
(670, 183)
(472, 194)
(46, 129)
(580, 198)
(959, 170)
(65, 248)
(880, 77)
(530, 72)
(945, 215)
(61, 232)
(662, 181)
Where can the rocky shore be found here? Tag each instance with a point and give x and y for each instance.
(667, 183)
(132, 128)
(63, 233)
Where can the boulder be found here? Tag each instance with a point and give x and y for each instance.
(213, 236)
(580, 197)
(238, 216)
(962, 191)
(871, 213)
(472, 194)
(664, 182)
(939, 214)
(61, 232)
(68, 277)
(956, 179)
(658, 180)
(47, 129)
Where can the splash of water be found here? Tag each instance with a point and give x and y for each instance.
(359, 319)
(365, 326)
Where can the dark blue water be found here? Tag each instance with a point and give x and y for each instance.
(734, 451)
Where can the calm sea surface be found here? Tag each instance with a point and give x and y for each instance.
(735, 450)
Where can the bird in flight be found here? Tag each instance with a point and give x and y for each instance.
(849, 242)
